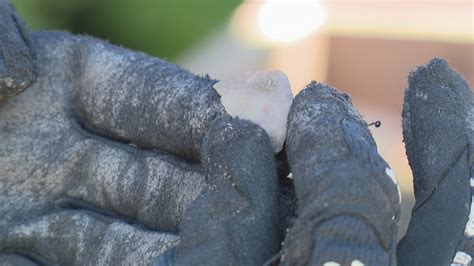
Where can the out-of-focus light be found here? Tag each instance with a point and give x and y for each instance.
(288, 21)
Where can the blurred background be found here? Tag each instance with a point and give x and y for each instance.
(363, 47)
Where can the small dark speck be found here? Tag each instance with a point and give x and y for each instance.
(376, 124)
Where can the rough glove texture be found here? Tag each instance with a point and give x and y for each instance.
(50, 164)
(78, 188)
(438, 133)
(348, 207)
(132, 97)
(236, 221)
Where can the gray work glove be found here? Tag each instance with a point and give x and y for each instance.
(90, 171)
(106, 149)
(348, 203)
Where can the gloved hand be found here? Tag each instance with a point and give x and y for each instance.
(348, 204)
(105, 150)
(90, 171)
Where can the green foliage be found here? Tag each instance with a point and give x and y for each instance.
(162, 28)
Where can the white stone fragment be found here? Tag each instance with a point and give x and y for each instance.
(263, 97)
(391, 174)
(331, 263)
(469, 230)
(357, 263)
(461, 259)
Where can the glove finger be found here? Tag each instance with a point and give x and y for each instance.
(132, 97)
(438, 118)
(143, 187)
(17, 57)
(76, 238)
(348, 203)
(236, 221)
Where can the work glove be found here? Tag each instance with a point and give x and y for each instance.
(113, 157)
(348, 197)
(105, 149)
